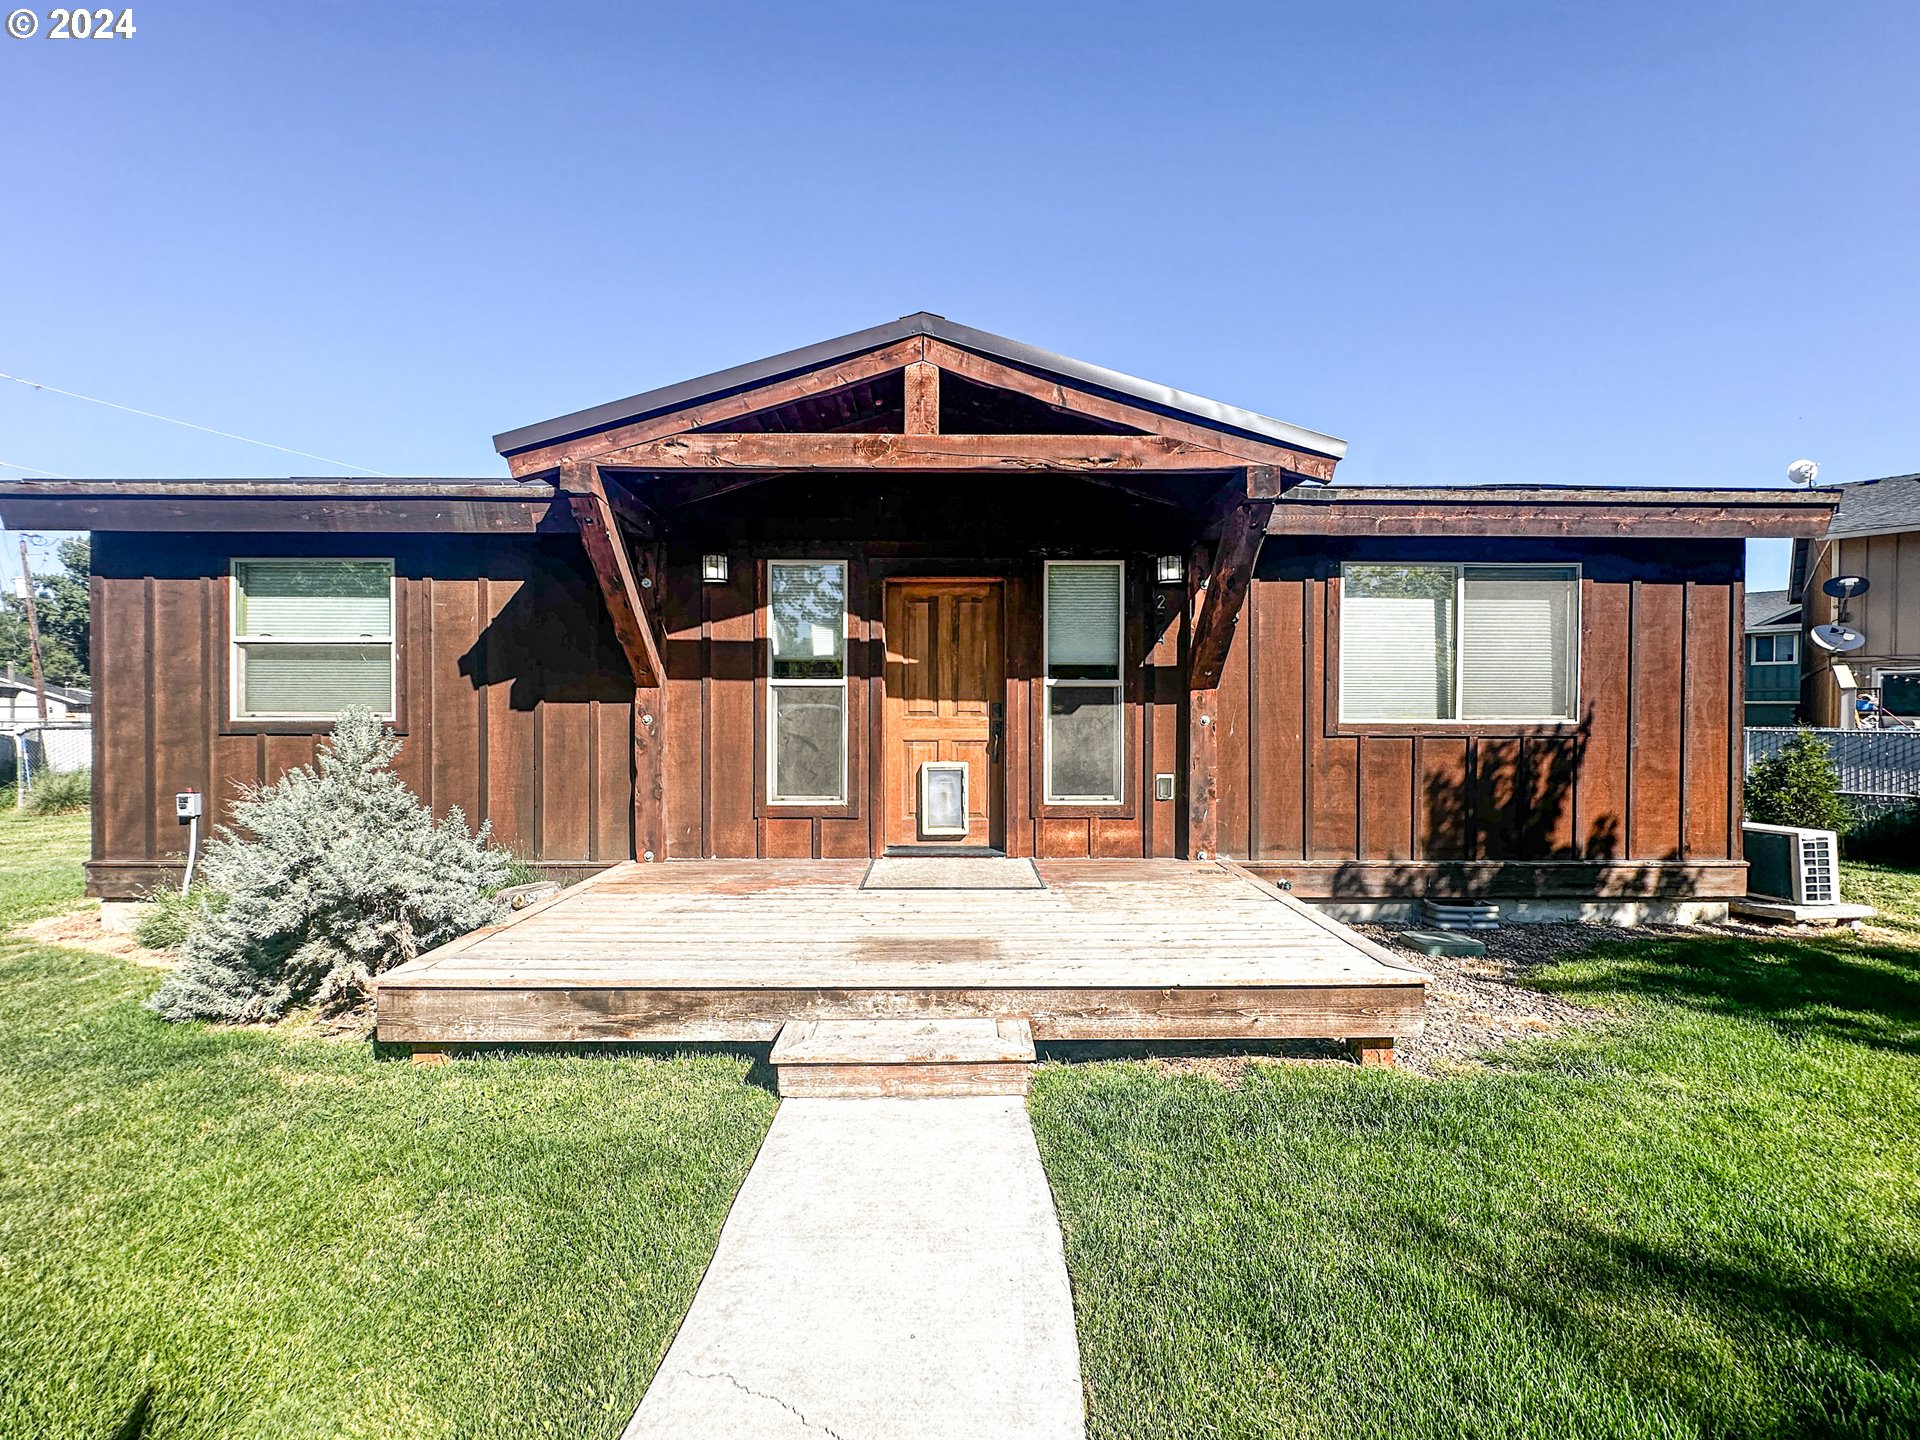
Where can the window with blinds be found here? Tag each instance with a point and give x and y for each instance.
(311, 638)
(807, 682)
(1459, 642)
(1085, 733)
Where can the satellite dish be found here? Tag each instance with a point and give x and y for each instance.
(1845, 587)
(1803, 472)
(1837, 638)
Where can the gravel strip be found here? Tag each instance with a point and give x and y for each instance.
(1478, 1002)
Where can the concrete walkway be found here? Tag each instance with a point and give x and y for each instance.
(891, 1268)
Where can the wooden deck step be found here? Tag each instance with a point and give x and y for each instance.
(854, 1059)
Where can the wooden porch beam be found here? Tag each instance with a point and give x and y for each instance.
(613, 568)
(1225, 592)
(850, 371)
(1300, 463)
(923, 399)
(864, 452)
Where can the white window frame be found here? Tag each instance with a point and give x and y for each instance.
(1776, 636)
(1460, 569)
(775, 684)
(1117, 684)
(237, 642)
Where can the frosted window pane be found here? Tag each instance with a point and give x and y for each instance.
(809, 742)
(1083, 751)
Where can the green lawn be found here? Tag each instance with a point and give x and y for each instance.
(292, 1237)
(1702, 1220)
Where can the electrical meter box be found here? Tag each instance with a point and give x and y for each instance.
(186, 805)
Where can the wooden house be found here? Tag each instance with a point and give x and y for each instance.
(741, 616)
(922, 588)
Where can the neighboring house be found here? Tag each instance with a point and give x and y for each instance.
(19, 704)
(1773, 658)
(1875, 533)
(922, 587)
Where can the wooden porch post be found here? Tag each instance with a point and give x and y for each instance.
(626, 588)
(1220, 586)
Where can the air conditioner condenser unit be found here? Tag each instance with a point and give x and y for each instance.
(1792, 864)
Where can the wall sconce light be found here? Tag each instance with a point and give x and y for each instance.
(713, 569)
(1171, 569)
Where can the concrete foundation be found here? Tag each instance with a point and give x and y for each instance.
(123, 917)
(1624, 913)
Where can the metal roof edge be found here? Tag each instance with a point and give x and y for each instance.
(809, 357)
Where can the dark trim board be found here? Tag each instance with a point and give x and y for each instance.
(426, 1014)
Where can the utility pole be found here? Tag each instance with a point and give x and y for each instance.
(33, 630)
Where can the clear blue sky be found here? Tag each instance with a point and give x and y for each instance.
(1504, 242)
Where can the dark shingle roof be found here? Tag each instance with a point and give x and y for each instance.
(1770, 607)
(1874, 507)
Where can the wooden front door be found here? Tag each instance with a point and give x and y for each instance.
(946, 694)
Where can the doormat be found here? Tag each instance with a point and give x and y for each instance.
(942, 872)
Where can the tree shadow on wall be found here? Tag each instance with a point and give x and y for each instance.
(1488, 825)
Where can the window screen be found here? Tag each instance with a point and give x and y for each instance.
(1084, 729)
(312, 637)
(1459, 642)
(807, 682)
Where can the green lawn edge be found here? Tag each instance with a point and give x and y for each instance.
(294, 1237)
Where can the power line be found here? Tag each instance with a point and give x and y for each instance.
(207, 429)
(34, 470)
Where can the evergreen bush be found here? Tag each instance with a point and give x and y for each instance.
(1797, 785)
(329, 876)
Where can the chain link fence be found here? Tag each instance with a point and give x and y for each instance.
(1879, 770)
(29, 751)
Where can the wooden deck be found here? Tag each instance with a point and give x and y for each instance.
(732, 950)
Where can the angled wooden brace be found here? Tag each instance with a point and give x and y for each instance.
(613, 567)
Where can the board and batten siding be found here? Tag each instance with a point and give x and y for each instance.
(1640, 796)
(514, 702)
(716, 697)
(516, 705)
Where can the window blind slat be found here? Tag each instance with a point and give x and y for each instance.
(1083, 615)
(315, 679)
(1516, 645)
(318, 599)
(1393, 658)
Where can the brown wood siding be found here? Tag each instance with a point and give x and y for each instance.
(907, 528)
(1638, 796)
(514, 703)
(517, 704)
